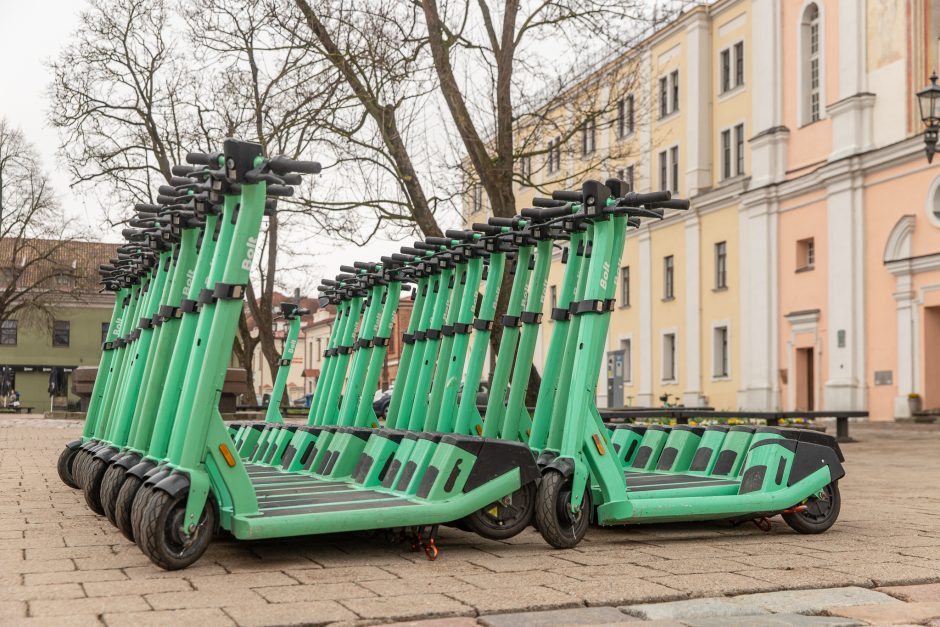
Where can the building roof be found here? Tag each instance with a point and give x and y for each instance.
(41, 262)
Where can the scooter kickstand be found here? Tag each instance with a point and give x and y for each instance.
(763, 523)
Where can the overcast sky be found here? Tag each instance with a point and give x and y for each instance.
(32, 31)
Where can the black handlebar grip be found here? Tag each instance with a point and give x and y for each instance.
(487, 229)
(438, 241)
(508, 222)
(634, 222)
(344, 277)
(282, 165)
(400, 257)
(349, 269)
(167, 200)
(183, 170)
(365, 265)
(426, 246)
(292, 179)
(168, 190)
(280, 190)
(547, 213)
(180, 180)
(408, 250)
(675, 203)
(198, 158)
(567, 196)
(329, 282)
(547, 202)
(143, 207)
(636, 198)
(463, 236)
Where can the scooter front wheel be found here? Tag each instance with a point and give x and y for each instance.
(64, 466)
(161, 536)
(559, 526)
(123, 505)
(110, 486)
(94, 473)
(505, 518)
(818, 513)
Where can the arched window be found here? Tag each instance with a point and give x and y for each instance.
(811, 64)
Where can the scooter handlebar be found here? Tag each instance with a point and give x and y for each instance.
(463, 236)
(567, 196)
(546, 202)
(675, 203)
(438, 241)
(198, 158)
(281, 165)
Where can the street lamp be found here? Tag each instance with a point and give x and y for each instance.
(929, 100)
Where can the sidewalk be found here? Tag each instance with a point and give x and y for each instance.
(61, 563)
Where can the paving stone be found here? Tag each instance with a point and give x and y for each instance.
(773, 620)
(519, 564)
(354, 573)
(550, 618)
(90, 606)
(813, 601)
(889, 574)
(320, 592)
(407, 606)
(923, 592)
(515, 580)
(244, 580)
(305, 613)
(11, 609)
(592, 573)
(800, 578)
(714, 585)
(416, 585)
(32, 593)
(206, 617)
(44, 566)
(617, 590)
(128, 586)
(696, 566)
(457, 621)
(85, 620)
(152, 572)
(890, 614)
(515, 599)
(692, 608)
(203, 598)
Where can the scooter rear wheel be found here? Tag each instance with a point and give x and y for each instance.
(139, 506)
(123, 505)
(821, 511)
(162, 538)
(94, 473)
(559, 526)
(110, 486)
(78, 467)
(506, 518)
(64, 466)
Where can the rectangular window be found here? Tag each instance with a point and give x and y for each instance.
(725, 71)
(814, 68)
(629, 115)
(628, 177)
(721, 265)
(739, 149)
(621, 117)
(674, 164)
(627, 346)
(525, 170)
(477, 198)
(554, 155)
(61, 333)
(725, 154)
(805, 254)
(588, 136)
(104, 331)
(552, 297)
(669, 357)
(663, 97)
(8, 332)
(319, 348)
(720, 348)
(668, 277)
(663, 172)
(674, 84)
(625, 286)
(739, 64)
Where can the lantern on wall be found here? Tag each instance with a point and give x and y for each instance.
(929, 100)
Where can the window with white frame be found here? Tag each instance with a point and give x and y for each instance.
(669, 357)
(811, 64)
(588, 136)
(625, 286)
(553, 156)
(669, 273)
(674, 88)
(732, 151)
(739, 149)
(720, 365)
(726, 154)
(674, 166)
(663, 97)
(721, 265)
(625, 116)
(477, 195)
(626, 175)
(663, 171)
(739, 64)
(525, 169)
(731, 67)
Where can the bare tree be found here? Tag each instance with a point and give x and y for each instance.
(485, 59)
(36, 259)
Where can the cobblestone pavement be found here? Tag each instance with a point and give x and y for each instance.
(60, 563)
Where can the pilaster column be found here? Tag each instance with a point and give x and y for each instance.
(693, 313)
(645, 362)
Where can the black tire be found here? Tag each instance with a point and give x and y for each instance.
(558, 525)
(505, 519)
(138, 507)
(124, 504)
(64, 466)
(110, 486)
(78, 468)
(94, 473)
(820, 513)
(161, 538)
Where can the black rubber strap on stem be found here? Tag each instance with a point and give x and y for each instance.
(461, 328)
(229, 291)
(483, 325)
(189, 306)
(510, 321)
(559, 314)
(531, 317)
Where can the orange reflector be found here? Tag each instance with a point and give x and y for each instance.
(479, 430)
(375, 425)
(227, 455)
(599, 443)
(528, 431)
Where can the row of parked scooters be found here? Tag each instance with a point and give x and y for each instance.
(157, 459)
